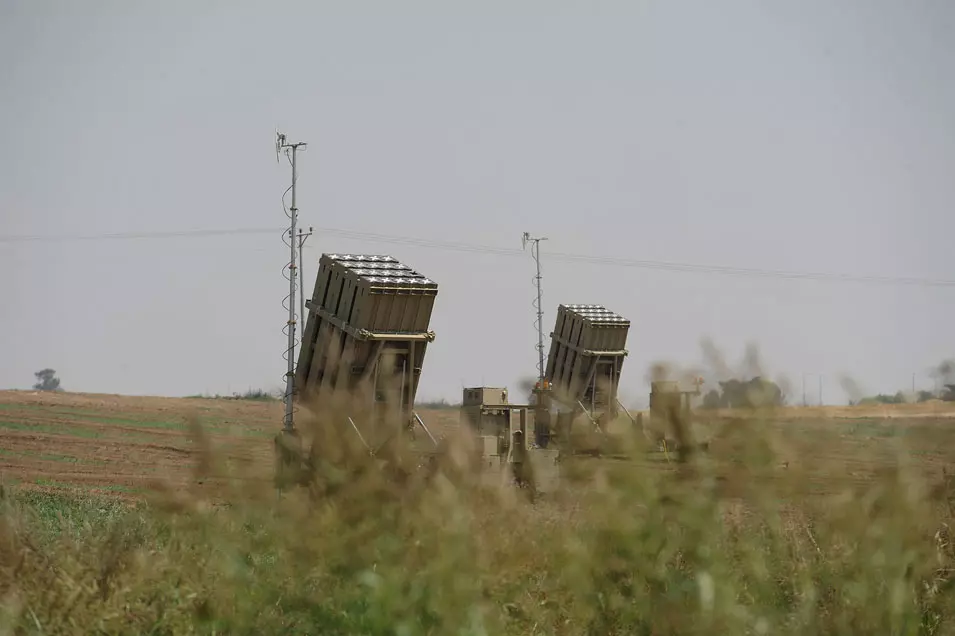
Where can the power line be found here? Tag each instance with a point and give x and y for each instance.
(656, 265)
(24, 238)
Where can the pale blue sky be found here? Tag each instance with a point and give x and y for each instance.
(804, 135)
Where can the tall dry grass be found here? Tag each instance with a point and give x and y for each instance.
(725, 543)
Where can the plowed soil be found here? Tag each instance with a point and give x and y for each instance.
(126, 446)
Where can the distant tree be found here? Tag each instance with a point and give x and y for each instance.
(882, 398)
(46, 380)
(751, 393)
(259, 395)
(437, 404)
(944, 374)
(711, 400)
(925, 396)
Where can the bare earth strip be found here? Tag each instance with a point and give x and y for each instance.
(122, 444)
(125, 445)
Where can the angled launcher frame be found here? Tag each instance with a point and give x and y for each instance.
(366, 310)
(588, 347)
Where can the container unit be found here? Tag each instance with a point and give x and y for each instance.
(666, 398)
(484, 396)
(486, 411)
(368, 323)
(588, 346)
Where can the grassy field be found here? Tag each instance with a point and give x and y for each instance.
(152, 515)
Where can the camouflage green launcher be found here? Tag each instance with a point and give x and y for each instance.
(588, 346)
(367, 323)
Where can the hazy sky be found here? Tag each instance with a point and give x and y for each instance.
(806, 136)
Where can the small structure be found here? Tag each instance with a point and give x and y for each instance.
(670, 409)
(505, 431)
(666, 398)
(487, 412)
(484, 396)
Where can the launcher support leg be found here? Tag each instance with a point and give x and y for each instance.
(364, 443)
(590, 417)
(582, 390)
(408, 386)
(421, 423)
(371, 365)
(614, 386)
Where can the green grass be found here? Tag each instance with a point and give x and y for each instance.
(73, 486)
(103, 418)
(256, 395)
(79, 431)
(39, 426)
(48, 457)
(99, 418)
(52, 429)
(214, 424)
(719, 545)
(53, 517)
(872, 428)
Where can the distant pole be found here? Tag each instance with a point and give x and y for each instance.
(820, 390)
(301, 273)
(290, 149)
(535, 252)
(913, 384)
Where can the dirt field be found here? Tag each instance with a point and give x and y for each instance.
(126, 445)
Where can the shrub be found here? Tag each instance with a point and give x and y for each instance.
(726, 544)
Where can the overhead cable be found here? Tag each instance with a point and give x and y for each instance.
(612, 261)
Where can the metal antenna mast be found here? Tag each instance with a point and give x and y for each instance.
(291, 150)
(535, 252)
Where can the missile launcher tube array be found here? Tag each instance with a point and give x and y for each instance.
(368, 322)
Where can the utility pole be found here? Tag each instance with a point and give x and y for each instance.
(291, 150)
(535, 252)
(301, 272)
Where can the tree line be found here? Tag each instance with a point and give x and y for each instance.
(752, 393)
(759, 391)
